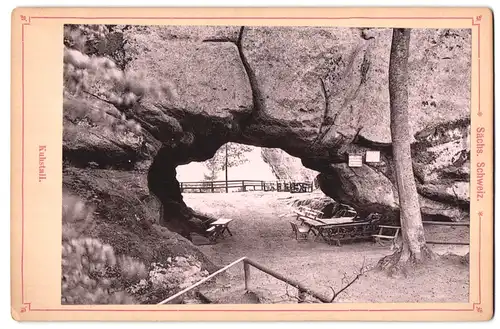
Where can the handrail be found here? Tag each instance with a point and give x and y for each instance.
(279, 185)
(201, 281)
(302, 289)
(248, 180)
(445, 223)
(209, 184)
(291, 282)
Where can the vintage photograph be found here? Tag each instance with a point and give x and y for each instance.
(265, 164)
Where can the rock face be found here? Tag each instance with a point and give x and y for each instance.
(317, 93)
(440, 161)
(286, 167)
(126, 217)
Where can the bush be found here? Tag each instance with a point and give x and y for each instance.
(95, 60)
(91, 272)
(164, 280)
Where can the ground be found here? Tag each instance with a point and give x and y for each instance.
(261, 231)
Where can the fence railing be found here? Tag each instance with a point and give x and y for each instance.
(245, 186)
(447, 224)
(247, 263)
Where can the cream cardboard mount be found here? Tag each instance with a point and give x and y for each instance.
(107, 102)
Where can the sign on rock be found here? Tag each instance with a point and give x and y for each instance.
(372, 156)
(355, 160)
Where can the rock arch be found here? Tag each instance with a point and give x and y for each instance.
(318, 93)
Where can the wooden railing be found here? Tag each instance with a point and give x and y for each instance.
(245, 185)
(247, 263)
(447, 224)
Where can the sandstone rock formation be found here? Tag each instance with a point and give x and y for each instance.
(317, 93)
(286, 167)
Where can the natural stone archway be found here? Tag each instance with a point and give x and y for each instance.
(317, 93)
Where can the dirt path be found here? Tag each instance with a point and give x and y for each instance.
(261, 231)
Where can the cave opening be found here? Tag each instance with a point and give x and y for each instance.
(233, 167)
(237, 167)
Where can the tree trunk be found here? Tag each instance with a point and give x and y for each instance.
(414, 248)
(225, 169)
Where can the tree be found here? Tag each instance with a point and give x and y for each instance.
(229, 155)
(414, 248)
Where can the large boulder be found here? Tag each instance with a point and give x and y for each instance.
(364, 188)
(440, 163)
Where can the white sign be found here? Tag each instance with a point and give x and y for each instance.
(355, 161)
(372, 156)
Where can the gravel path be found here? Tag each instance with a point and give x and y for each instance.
(261, 231)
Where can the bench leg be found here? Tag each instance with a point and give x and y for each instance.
(213, 238)
(228, 231)
(320, 233)
(311, 230)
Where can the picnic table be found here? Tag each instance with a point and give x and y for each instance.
(218, 228)
(345, 226)
(334, 230)
(330, 221)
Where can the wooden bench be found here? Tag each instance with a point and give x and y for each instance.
(382, 239)
(346, 213)
(301, 232)
(305, 213)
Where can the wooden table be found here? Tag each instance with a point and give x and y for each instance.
(315, 226)
(340, 228)
(318, 223)
(335, 220)
(219, 227)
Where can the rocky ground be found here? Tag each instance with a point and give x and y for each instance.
(261, 231)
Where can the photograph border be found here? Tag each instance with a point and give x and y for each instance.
(480, 305)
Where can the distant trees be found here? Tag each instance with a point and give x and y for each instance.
(414, 247)
(229, 155)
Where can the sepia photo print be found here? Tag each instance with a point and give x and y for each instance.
(265, 164)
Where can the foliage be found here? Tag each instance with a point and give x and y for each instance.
(110, 41)
(167, 279)
(94, 273)
(90, 269)
(95, 64)
(235, 156)
(212, 171)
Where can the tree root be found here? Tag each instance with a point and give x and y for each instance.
(402, 261)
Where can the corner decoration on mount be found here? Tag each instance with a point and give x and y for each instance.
(362, 154)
